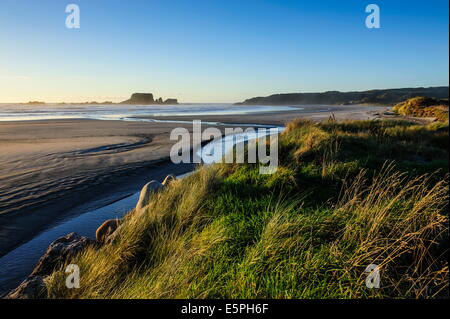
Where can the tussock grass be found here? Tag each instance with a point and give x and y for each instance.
(424, 107)
(346, 195)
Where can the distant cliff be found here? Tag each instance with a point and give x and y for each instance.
(147, 99)
(386, 97)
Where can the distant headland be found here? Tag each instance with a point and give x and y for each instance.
(383, 97)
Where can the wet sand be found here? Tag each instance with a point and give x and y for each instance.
(49, 167)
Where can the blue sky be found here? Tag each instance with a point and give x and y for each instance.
(217, 50)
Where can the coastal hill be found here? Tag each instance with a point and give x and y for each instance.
(385, 97)
(147, 99)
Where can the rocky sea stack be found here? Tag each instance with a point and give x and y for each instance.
(147, 99)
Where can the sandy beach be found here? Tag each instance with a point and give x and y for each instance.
(48, 167)
(314, 113)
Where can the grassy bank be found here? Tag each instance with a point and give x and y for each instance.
(424, 107)
(345, 195)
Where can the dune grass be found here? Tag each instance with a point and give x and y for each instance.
(346, 195)
(424, 107)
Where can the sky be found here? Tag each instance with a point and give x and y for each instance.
(217, 50)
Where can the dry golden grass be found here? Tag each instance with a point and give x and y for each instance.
(423, 107)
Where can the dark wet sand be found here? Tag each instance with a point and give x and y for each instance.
(48, 167)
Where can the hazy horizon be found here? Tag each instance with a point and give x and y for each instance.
(118, 100)
(216, 52)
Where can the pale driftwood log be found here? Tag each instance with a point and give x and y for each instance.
(108, 228)
(146, 192)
